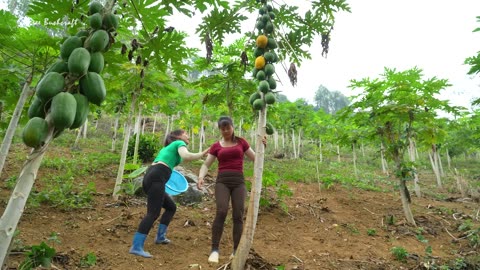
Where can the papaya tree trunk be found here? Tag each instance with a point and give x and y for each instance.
(449, 161)
(123, 156)
(318, 176)
(433, 156)
(320, 149)
(167, 130)
(115, 130)
(354, 154)
(384, 162)
(240, 258)
(299, 142)
(275, 141)
(77, 139)
(154, 123)
(85, 129)
(404, 193)
(411, 152)
(461, 186)
(405, 197)
(7, 140)
(137, 134)
(293, 144)
(439, 164)
(16, 204)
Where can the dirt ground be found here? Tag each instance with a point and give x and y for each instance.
(338, 228)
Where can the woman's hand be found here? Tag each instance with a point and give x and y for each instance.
(200, 183)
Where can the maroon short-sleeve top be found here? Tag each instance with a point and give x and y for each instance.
(230, 158)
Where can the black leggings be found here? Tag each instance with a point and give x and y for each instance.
(154, 186)
(229, 185)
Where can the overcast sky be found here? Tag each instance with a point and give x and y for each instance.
(434, 35)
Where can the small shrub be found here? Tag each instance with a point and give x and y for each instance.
(420, 236)
(465, 226)
(38, 255)
(371, 232)
(11, 182)
(148, 147)
(399, 253)
(391, 220)
(88, 260)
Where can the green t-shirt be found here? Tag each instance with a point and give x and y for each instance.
(169, 154)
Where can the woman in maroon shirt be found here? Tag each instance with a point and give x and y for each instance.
(230, 184)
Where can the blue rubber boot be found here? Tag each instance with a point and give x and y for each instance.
(137, 246)
(161, 239)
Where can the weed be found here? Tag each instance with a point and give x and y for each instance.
(445, 210)
(399, 253)
(38, 255)
(465, 226)
(391, 220)
(11, 182)
(53, 238)
(17, 243)
(371, 232)
(61, 191)
(459, 264)
(57, 163)
(88, 260)
(473, 237)
(428, 251)
(420, 236)
(129, 187)
(352, 228)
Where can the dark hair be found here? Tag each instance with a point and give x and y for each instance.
(173, 136)
(225, 121)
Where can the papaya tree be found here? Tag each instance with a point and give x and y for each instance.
(25, 52)
(225, 85)
(396, 105)
(63, 96)
(149, 88)
(268, 25)
(432, 136)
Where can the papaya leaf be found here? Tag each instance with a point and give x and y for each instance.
(136, 173)
(52, 10)
(220, 23)
(8, 25)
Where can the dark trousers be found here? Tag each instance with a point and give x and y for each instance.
(229, 185)
(154, 186)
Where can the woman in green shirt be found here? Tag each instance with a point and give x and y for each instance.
(157, 175)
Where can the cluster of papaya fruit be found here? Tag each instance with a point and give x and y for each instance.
(265, 57)
(60, 102)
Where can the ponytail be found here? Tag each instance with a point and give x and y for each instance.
(173, 136)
